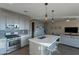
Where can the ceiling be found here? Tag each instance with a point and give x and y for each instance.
(37, 10)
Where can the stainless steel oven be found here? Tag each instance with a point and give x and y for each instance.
(13, 44)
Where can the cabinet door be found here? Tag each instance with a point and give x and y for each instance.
(21, 22)
(10, 19)
(24, 41)
(26, 22)
(75, 41)
(27, 41)
(2, 46)
(65, 40)
(2, 20)
(16, 19)
(35, 49)
(70, 40)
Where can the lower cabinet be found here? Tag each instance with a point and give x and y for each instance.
(65, 40)
(2, 46)
(70, 40)
(24, 41)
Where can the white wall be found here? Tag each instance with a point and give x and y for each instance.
(58, 27)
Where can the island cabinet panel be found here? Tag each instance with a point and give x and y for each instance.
(70, 40)
(37, 49)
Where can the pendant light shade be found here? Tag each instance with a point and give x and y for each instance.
(46, 3)
(68, 19)
(46, 17)
(52, 20)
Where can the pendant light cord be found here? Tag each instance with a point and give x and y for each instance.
(46, 10)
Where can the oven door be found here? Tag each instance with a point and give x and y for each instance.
(14, 43)
(11, 44)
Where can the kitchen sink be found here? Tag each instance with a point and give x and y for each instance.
(42, 37)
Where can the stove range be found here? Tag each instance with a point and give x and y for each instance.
(11, 36)
(13, 42)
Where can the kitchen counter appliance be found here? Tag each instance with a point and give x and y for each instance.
(13, 42)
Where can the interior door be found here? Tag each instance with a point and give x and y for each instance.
(33, 25)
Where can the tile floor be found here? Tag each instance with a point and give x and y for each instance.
(63, 50)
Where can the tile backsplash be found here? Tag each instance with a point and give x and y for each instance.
(2, 32)
(20, 32)
(23, 31)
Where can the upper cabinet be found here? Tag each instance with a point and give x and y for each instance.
(23, 23)
(2, 20)
(16, 20)
(26, 23)
(8, 18)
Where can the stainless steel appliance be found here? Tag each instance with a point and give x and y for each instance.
(13, 42)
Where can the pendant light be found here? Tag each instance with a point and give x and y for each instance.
(52, 16)
(68, 19)
(46, 16)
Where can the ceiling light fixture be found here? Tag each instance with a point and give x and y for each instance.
(67, 20)
(52, 20)
(52, 16)
(46, 16)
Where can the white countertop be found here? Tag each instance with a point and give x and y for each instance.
(24, 35)
(45, 41)
(27, 36)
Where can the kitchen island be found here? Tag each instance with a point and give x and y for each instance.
(39, 45)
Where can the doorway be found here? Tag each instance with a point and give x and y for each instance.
(33, 28)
